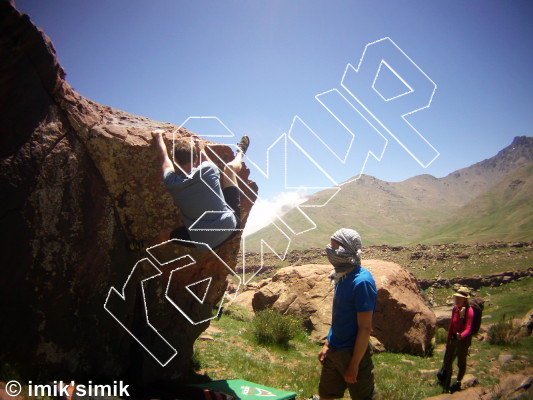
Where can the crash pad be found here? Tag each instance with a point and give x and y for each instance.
(245, 390)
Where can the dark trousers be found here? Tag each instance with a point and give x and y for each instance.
(455, 349)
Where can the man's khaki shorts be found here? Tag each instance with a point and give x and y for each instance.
(332, 384)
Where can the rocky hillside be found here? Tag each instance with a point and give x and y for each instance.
(486, 201)
(80, 182)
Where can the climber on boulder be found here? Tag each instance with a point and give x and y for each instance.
(209, 203)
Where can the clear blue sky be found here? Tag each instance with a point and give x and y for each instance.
(256, 64)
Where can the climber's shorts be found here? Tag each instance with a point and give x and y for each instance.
(232, 197)
(332, 384)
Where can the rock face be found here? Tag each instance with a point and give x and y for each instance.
(78, 182)
(402, 321)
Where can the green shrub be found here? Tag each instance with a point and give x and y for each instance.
(505, 332)
(441, 335)
(238, 312)
(270, 327)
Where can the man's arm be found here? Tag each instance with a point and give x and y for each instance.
(323, 351)
(166, 163)
(364, 322)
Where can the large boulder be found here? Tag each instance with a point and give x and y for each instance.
(80, 182)
(402, 321)
(303, 290)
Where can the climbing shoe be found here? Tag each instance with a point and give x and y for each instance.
(243, 144)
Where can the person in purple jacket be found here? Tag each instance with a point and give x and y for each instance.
(459, 339)
(209, 203)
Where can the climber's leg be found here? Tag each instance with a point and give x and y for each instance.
(231, 169)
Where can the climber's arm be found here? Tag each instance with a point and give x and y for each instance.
(166, 163)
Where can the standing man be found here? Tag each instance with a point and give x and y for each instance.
(209, 204)
(346, 356)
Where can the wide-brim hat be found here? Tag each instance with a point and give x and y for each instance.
(463, 292)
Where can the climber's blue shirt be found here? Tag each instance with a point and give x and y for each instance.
(200, 199)
(355, 292)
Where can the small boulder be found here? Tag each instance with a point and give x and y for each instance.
(527, 322)
(505, 358)
(515, 386)
(468, 381)
(443, 315)
(244, 299)
(376, 345)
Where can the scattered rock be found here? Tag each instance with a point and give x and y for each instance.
(428, 371)
(476, 282)
(443, 314)
(527, 322)
(468, 381)
(213, 330)
(244, 299)
(377, 346)
(505, 358)
(474, 393)
(516, 386)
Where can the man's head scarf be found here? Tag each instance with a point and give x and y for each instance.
(349, 253)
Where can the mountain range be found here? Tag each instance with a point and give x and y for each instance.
(490, 200)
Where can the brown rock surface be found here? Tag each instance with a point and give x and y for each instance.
(527, 322)
(473, 393)
(510, 387)
(78, 182)
(443, 315)
(517, 386)
(402, 321)
(303, 290)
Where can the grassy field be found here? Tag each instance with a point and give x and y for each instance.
(234, 353)
(454, 260)
(231, 351)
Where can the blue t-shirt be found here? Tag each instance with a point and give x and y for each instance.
(355, 292)
(201, 201)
